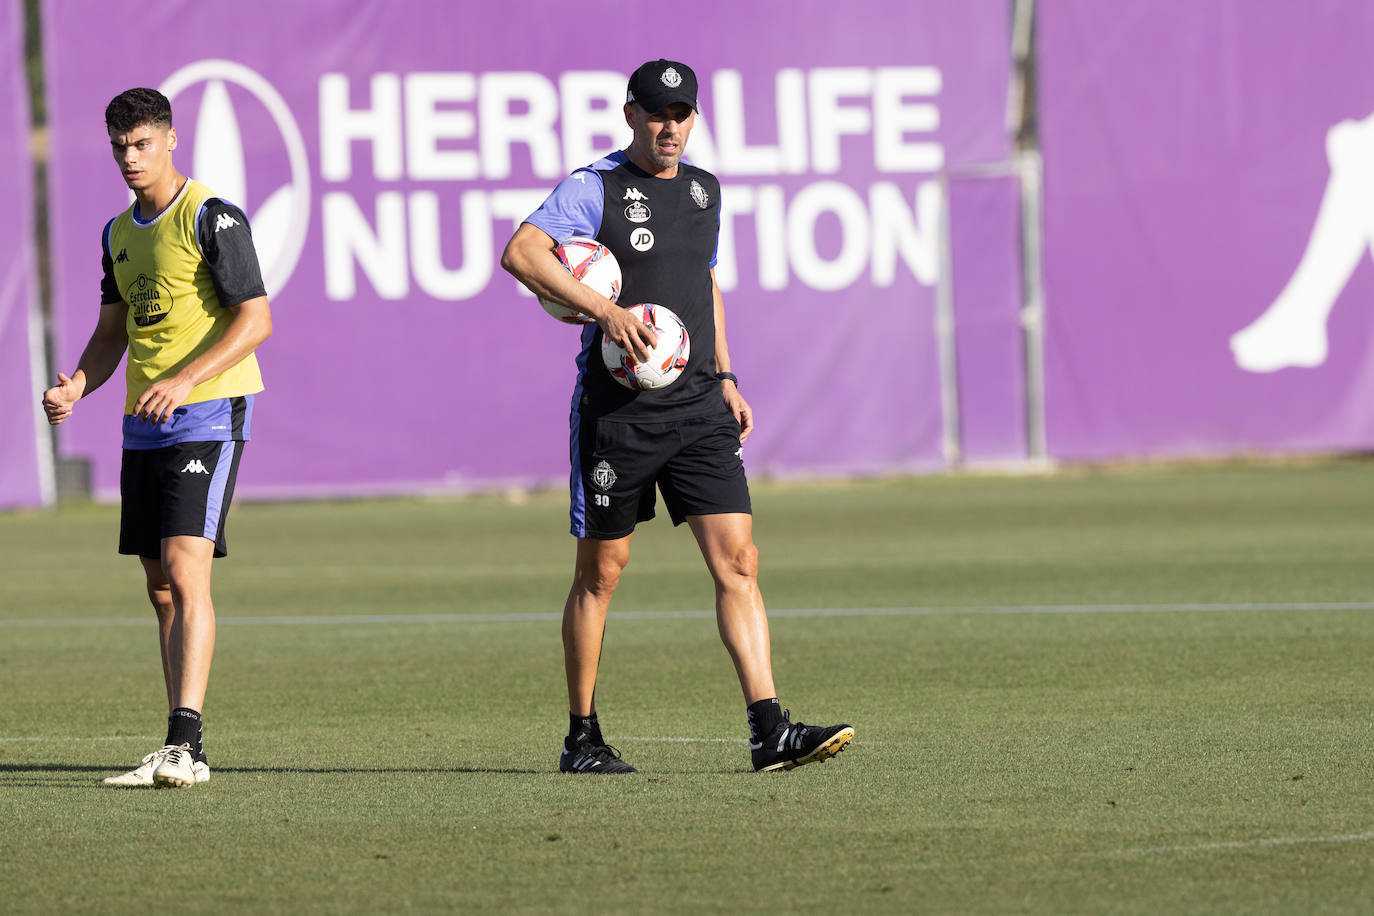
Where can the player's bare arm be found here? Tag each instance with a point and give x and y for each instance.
(739, 407)
(98, 362)
(530, 258)
(251, 325)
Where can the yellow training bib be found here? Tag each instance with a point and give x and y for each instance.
(174, 312)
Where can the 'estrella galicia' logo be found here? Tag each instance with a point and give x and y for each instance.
(277, 199)
(637, 213)
(148, 299)
(603, 477)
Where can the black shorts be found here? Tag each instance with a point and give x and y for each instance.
(181, 489)
(697, 463)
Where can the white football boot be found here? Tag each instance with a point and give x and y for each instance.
(142, 775)
(178, 770)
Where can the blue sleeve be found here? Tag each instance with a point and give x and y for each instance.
(716, 250)
(109, 289)
(574, 207)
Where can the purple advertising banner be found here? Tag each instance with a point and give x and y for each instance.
(25, 473)
(1209, 191)
(384, 163)
(985, 282)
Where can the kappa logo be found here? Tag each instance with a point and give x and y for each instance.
(603, 476)
(634, 194)
(224, 221)
(273, 185)
(122, 257)
(194, 466)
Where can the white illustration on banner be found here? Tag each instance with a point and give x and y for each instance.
(282, 218)
(1292, 331)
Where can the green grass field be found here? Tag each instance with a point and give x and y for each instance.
(1143, 691)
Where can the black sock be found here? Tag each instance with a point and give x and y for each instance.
(584, 729)
(764, 716)
(184, 727)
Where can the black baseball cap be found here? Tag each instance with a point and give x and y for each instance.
(660, 83)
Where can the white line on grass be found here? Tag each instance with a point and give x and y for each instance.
(62, 740)
(667, 740)
(549, 616)
(1266, 841)
(673, 740)
(661, 739)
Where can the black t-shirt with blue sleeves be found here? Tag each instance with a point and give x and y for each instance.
(663, 232)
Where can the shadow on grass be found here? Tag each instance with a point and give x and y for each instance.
(34, 770)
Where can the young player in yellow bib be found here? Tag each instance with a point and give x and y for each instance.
(182, 292)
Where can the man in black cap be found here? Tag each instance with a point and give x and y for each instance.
(660, 217)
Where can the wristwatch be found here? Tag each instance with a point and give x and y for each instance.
(727, 377)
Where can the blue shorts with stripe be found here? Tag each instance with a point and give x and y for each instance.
(183, 489)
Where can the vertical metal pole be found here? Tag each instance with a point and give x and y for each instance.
(36, 260)
(1033, 307)
(1023, 122)
(38, 370)
(950, 443)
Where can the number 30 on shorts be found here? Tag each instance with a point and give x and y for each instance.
(601, 499)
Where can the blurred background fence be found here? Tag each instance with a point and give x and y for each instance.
(955, 233)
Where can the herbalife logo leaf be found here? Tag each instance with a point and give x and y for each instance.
(220, 163)
(219, 160)
(280, 215)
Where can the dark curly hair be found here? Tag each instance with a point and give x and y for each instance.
(136, 107)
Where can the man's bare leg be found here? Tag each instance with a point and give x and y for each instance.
(727, 544)
(775, 742)
(190, 647)
(186, 562)
(595, 577)
(160, 594)
(178, 585)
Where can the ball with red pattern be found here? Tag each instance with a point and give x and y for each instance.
(667, 359)
(593, 264)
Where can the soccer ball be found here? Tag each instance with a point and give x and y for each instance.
(591, 262)
(666, 361)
